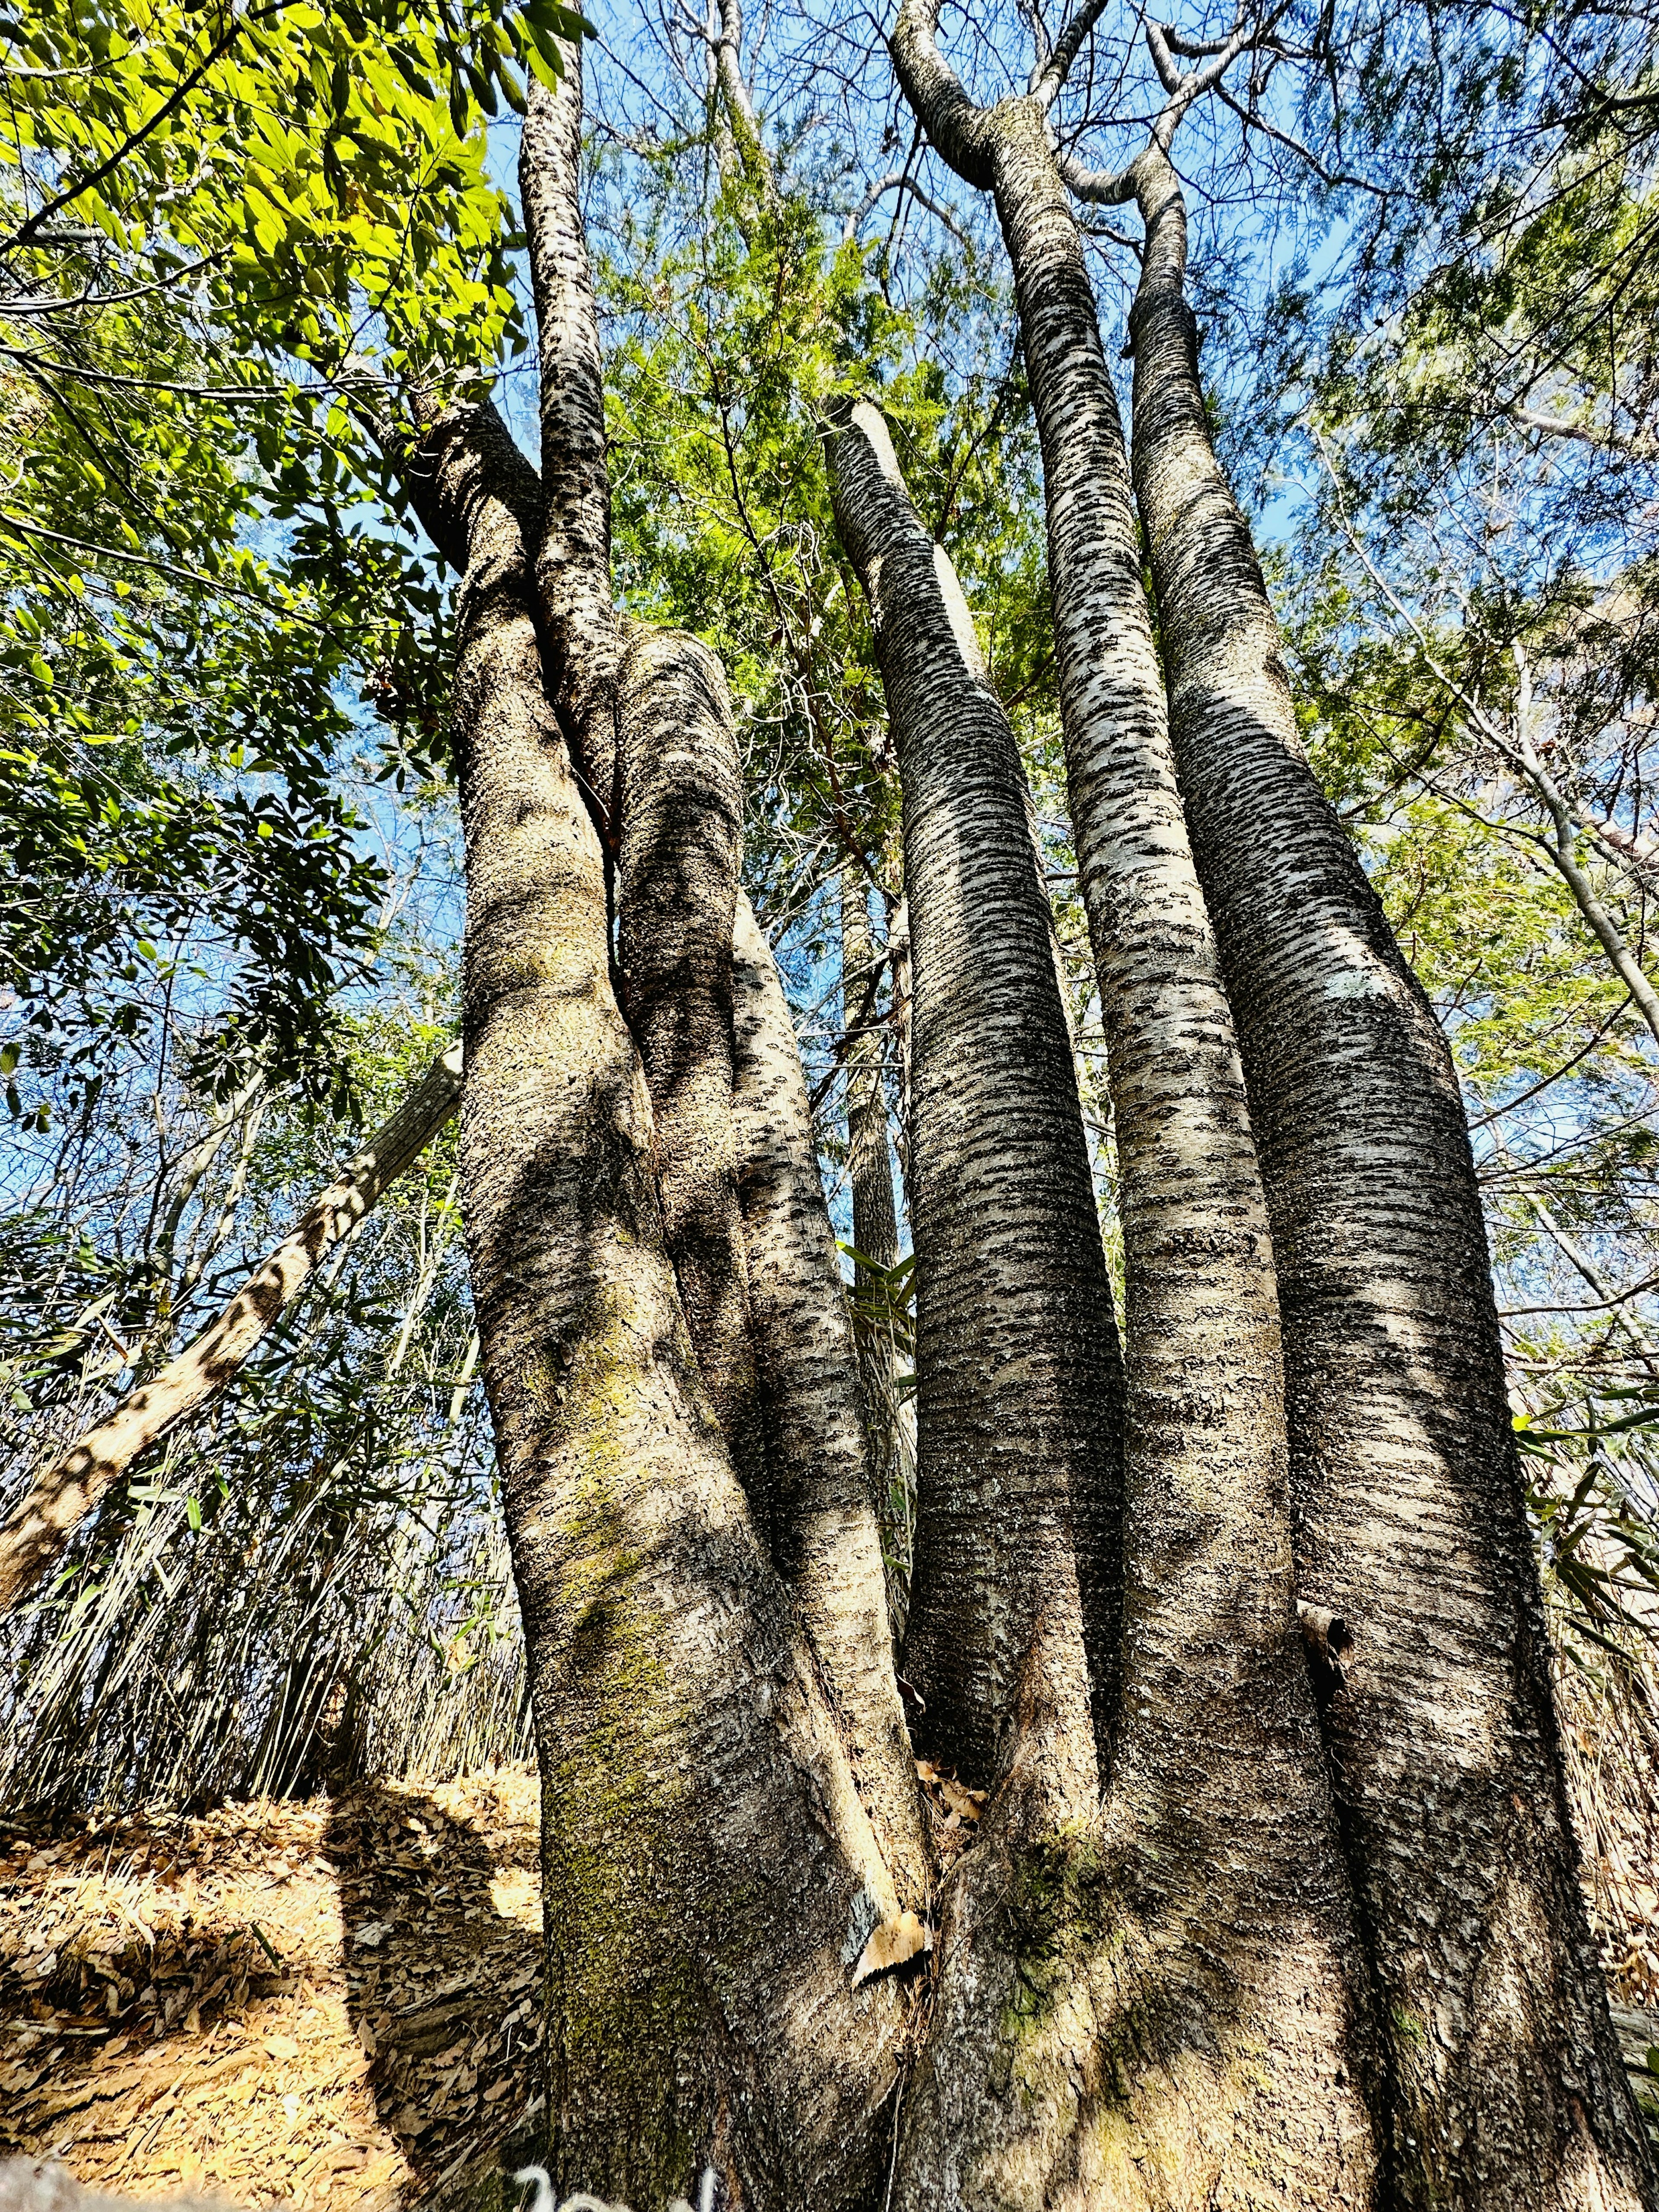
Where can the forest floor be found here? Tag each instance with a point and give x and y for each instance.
(331, 2004)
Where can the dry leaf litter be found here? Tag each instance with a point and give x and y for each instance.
(332, 2003)
(329, 2004)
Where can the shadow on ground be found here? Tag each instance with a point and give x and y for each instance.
(440, 1902)
(332, 2006)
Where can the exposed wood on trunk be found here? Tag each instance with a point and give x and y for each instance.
(1018, 1378)
(1185, 1903)
(710, 1874)
(1505, 2088)
(680, 844)
(827, 1543)
(35, 1534)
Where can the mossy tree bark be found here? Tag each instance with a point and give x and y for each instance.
(1504, 2084)
(707, 1742)
(710, 1872)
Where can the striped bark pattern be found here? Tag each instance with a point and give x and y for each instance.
(828, 1545)
(572, 554)
(1215, 1755)
(1504, 2087)
(679, 850)
(1178, 1917)
(698, 2015)
(1018, 1378)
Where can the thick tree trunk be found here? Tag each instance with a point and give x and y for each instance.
(1019, 1377)
(1504, 2084)
(710, 1874)
(679, 849)
(1183, 1924)
(827, 1543)
(1215, 1755)
(41, 1525)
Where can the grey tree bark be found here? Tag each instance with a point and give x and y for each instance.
(680, 852)
(710, 1874)
(829, 1544)
(41, 1524)
(572, 554)
(1180, 1930)
(1504, 2087)
(1019, 1377)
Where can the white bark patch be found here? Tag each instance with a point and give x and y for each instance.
(956, 607)
(1357, 983)
(873, 423)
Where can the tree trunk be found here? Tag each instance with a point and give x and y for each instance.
(679, 847)
(572, 555)
(1178, 1931)
(1504, 2084)
(40, 1526)
(828, 1542)
(869, 1161)
(898, 951)
(710, 1876)
(1019, 1378)
(875, 1241)
(1215, 1756)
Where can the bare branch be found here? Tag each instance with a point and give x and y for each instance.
(899, 180)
